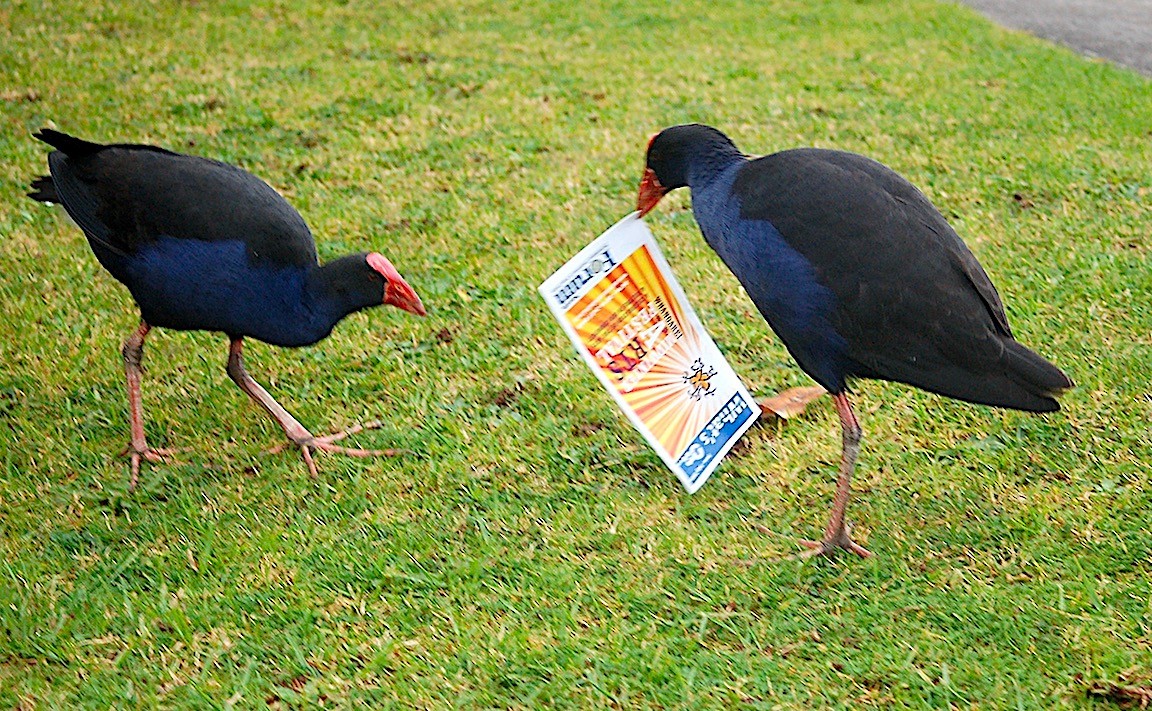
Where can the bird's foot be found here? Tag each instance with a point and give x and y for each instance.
(830, 546)
(791, 402)
(149, 454)
(308, 444)
(833, 544)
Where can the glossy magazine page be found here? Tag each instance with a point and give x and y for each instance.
(628, 317)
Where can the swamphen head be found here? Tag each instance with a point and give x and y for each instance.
(369, 279)
(672, 153)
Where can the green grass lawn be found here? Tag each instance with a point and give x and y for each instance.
(532, 551)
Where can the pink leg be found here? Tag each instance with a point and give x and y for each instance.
(133, 352)
(836, 533)
(296, 432)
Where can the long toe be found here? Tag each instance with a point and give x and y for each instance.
(831, 546)
(147, 454)
(319, 445)
(828, 547)
(151, 454)
(327, 443)
(310, 444)
(337, 436)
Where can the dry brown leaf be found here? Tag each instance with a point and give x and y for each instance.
(791, 402)
(1133, 688)
(1124, 695)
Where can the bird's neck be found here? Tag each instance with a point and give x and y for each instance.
(714, 209)
(709, 164)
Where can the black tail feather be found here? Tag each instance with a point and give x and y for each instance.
(1018, 380)
(68, 145)
(44, 190)
(1033, 373)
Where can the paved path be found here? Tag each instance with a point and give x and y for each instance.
(1117, 30)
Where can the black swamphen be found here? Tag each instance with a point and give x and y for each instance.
(857, 273)
(203, 245)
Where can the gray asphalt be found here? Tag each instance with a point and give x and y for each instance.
(1117, 30)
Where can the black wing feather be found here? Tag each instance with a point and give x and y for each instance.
(83, 204)
(125, 195)
(912, 301)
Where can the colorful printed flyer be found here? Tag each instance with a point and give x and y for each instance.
(628, 317)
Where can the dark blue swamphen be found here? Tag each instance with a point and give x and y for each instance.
(203, 245)
(857, 273)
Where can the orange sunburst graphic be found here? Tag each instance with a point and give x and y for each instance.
(634, 327)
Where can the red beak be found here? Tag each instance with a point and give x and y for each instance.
(650, 192)
(397, 292)
(402, 296)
